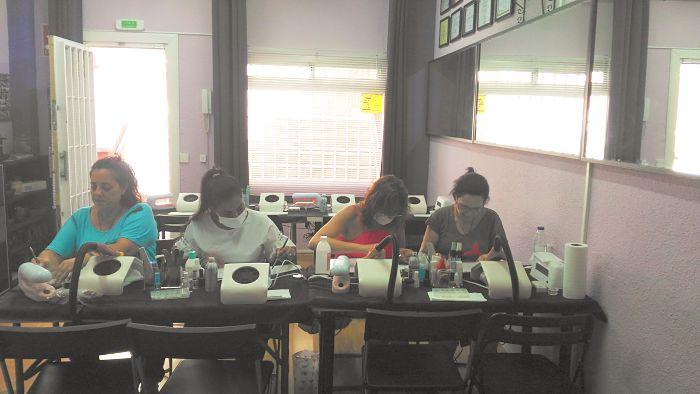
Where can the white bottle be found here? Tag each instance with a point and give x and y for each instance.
(539, 243)
(192, 266)
(323, 250)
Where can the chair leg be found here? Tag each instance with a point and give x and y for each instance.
(258, 376)
(6, 376)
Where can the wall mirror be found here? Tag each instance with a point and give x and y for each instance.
(532, 83)
(659, 91)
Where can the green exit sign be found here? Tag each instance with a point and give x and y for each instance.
(129, 24)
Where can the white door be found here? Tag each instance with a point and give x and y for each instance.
(73, 147)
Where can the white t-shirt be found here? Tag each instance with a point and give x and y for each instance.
(254, 241)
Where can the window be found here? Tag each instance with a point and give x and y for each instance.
(683, 133)
(308, 130)
(537, 104)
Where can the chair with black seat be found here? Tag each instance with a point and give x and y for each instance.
(397, 357)
(529, 373)
(209, 353)
(79, 343)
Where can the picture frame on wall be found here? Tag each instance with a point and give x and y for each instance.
(484, 14)
(469, 19)
(456, 25)
(504, 9)
(444, 6)
(444, 32)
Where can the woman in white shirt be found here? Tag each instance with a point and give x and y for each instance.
(224, 228)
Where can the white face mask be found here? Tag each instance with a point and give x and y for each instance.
(382, 219)
(232, 223)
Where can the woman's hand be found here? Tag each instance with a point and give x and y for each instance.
(63, 270)
(286, 253)
(405, 254)
(373, 253)
(490, 256)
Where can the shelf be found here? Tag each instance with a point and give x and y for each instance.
(25, 195)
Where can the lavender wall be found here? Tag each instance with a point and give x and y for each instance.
(184, 17)
(527, 189)
(643, 260)
(5, 126)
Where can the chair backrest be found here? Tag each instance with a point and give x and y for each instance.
(61, 342)
(239, 342)
(171, 223)
(386, 325)
(572, 330)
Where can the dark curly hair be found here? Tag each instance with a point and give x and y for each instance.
(471, 183)
(387, 195)
(124, 175)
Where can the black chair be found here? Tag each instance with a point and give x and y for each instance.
(171, 224)
(528, 373)
(203, 371)
(396, 357)
(81, 343)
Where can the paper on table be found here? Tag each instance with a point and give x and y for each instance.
(455, 295)
(278, 294)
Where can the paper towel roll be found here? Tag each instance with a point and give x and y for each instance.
(575, 261)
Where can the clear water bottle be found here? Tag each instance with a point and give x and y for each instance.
(539, 243)
(192, 265)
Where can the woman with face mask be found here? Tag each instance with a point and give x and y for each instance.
(224, 228)
(466, 221)
(357, 229)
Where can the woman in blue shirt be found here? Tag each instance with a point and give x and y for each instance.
(117, 219)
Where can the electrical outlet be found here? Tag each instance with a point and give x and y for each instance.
(184, 157)
(203, 158)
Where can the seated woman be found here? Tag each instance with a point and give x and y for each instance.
(357, 229)
(224, 228)
(117, 218)
(466, 221)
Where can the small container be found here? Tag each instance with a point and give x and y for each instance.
(416, 279)
(185, 282)
(459, 273)
(210, 274)
(156, 275)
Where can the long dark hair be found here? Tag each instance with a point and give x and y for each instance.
(472, 183)
(124, 175)
(387, 195)
(217, 186)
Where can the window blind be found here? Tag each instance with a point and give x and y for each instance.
(307, 131)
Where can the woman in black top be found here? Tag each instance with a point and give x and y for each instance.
(466, 221)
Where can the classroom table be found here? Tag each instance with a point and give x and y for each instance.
(202, 309)
(328, 306)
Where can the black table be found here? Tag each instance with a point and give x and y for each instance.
(328, 306)
(200, 309)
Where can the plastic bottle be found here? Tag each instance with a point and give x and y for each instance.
(192, 266)
(413, 263)
(323, 250)
(434, 268)
(185, 282)
(423, 266)
(539, 242)
(210, 273)
(156, 275)
(458, 273)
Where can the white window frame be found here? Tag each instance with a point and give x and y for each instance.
(170, 43)
(677, 56)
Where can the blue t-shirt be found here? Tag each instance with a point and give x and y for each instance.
(137, 225)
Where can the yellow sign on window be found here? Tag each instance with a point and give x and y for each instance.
(481, 104)
(372, 103)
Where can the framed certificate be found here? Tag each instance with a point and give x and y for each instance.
(444, 37)
(469, 18)
(504, 8)
(484, 14)
(456, 25)
(444, 6)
